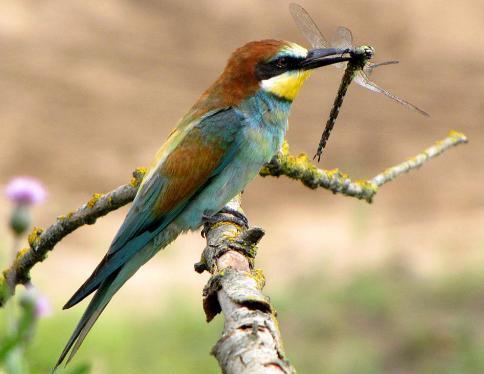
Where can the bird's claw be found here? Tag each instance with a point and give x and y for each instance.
(224, 215)
(208, 221)
(236, 214)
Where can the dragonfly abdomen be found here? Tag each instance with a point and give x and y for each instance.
(338, 102)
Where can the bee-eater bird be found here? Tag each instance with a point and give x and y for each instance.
(234, 128)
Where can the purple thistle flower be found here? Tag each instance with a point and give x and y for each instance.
(42, 307)
(25, 190)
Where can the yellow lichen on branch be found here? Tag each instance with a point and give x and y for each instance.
(34, 235)
(138, 176)
(300, 168)
(93, 200)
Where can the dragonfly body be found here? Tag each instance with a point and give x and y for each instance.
(360, 57)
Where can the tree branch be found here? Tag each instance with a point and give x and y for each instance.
(301, 168)
(295, 167)
(251, 340)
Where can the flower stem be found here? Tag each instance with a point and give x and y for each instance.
(14, 361)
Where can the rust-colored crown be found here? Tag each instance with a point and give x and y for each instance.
(238, 80)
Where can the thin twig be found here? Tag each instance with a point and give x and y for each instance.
(295, 167)
(454, 138)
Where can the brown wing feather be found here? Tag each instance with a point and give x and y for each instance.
(186, 169)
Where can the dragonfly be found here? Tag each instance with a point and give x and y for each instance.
(358, 68)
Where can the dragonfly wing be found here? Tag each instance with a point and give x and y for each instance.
(370, 66)
(307, 26)
(342, 38)
(362, 79)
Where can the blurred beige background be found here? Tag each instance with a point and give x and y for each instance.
(89, 90)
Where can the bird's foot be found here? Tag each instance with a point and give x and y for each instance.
(236, 213)
(224, 215)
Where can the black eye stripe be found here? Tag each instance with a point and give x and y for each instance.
(281, 62)
(286, 62)
(277, 66)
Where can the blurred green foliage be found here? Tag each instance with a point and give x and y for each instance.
(380, 321)
(178, 342)
(385, 321)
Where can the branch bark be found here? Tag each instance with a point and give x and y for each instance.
(295, 167)
(251, 342)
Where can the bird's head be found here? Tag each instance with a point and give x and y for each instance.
(283, 70)
(274, 66)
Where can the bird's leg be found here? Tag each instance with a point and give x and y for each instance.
(226, 214)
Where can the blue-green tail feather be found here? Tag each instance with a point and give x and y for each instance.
(109, 265)
(96, 306)
(105, 292)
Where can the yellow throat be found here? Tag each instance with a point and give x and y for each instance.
(286, 85)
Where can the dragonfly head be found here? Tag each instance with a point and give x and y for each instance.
(361, 55)
(364, 51)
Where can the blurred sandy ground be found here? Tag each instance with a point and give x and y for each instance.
(89, 90)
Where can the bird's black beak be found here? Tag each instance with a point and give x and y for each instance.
(325, 56)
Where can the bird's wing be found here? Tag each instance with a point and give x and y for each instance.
(183, 170)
